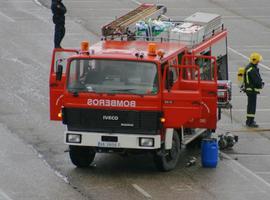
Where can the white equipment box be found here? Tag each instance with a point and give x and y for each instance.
(210, 22)
(188, 33)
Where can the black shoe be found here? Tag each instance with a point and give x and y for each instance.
(252, 125)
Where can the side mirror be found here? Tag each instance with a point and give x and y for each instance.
(169, 79)
(59, 72)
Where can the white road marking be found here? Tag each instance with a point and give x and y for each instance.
(137, 2)
(238, 17)
(258, 110)
(249, 155)
(244, 96)
(262, 173)
(142, 191)
(246, 169)
(4, 196)
(7, 17)
(250, 46)
(57, 173)
(266, 72)
(20, 1)
(37, 2)
(261, 49)
(38, 17)
(242, 55)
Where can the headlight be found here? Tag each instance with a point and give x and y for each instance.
(146, 142)
(73, 138)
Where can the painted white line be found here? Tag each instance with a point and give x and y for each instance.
(262, 173)
(7, 17)
(37, 2)
(246, 169)
(38, 17)
(245, 96)
(250, 46)
(137, 2)
(250, 155)
(4, 196)
(260, 49)
(142, 191)
(242, 55)
(57, 173)
(258, 110)
(265, 72)
(238, 17)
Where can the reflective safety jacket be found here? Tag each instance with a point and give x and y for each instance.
(252, 79)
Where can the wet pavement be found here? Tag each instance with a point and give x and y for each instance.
(26, 44)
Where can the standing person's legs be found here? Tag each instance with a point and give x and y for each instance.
(251, 108)
(63, 31)
(58, 35)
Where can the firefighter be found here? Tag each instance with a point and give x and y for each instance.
(253, 83)
(58, 10)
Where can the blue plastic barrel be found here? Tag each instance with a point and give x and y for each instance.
(209, 153)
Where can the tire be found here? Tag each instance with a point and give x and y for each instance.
(166, 160)
(81, 156)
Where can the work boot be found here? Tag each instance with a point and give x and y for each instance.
(253, 125)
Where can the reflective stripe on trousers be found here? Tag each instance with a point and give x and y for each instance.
(255, 89)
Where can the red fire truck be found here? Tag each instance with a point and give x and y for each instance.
(150, 85)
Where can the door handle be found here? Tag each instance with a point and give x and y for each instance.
(53, 85)
(212, 93)
(196, 103)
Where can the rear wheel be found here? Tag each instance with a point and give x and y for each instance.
(81, 156)
(167, 160)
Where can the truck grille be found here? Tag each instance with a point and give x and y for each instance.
(111, 121)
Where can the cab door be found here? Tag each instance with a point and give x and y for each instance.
(56, 85)
(208, 87)
(181, 95)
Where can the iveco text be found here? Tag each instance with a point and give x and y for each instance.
(112, 118)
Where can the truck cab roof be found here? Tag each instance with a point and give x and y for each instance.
(128, 49)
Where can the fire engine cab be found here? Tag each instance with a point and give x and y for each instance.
(150, 85)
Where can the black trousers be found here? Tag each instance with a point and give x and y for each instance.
(59, 33)
(251, 107)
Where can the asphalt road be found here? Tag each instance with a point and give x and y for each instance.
(26, 44)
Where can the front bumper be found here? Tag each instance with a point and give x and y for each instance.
(128, 141)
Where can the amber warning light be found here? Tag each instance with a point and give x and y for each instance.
(84, 46)
(152, 49)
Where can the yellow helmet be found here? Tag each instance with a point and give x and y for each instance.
(255, 58)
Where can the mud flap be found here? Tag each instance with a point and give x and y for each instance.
(168, 138)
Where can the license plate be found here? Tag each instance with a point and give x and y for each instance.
(109, 144)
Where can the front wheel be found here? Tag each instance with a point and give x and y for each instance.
(81, 156)
(167, 160)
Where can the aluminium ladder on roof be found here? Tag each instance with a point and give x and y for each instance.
(121, 25)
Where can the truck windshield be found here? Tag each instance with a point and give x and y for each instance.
(113, 76)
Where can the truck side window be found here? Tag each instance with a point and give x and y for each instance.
(222, 67)
(171, 68)
(61, 58)
(206, 68)
(219, 50)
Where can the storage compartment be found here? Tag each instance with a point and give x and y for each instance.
(188, 33)
(210, 22)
